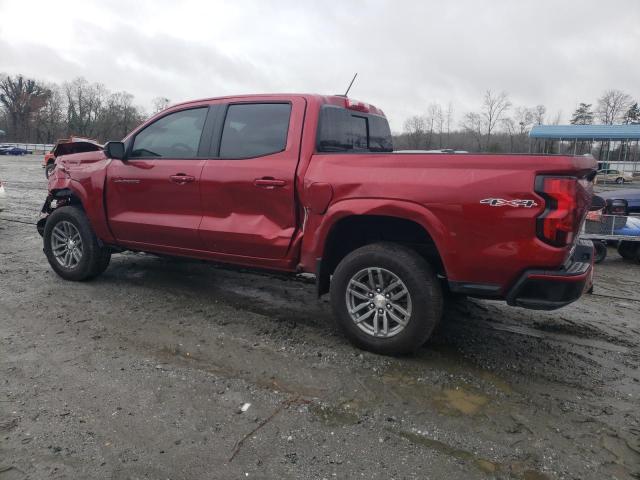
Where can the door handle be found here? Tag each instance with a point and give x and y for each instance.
(269, 182)
(181, 178)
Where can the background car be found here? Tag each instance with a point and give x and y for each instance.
(613, 176)
(67, 146)
(632, 196)
(11, 150)
(3, 197)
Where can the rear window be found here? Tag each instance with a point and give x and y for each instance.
(342, 130)
(255, 129)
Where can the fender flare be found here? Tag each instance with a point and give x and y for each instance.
(406, 210)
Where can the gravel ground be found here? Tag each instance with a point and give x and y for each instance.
(142, 373)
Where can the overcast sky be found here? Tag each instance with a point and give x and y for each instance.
(406, 53)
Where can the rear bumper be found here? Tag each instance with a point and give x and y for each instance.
(552, 289)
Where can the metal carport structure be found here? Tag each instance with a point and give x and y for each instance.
(578, 135)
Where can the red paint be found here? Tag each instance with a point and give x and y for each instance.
(277, 211)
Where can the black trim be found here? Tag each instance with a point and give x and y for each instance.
(557, 289)
(322, 278)
(207, 131)
(480, 290)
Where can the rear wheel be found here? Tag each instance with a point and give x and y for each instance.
(71, 246)
(386, 298)
(48, 170)
(619, 180)
(629, 250)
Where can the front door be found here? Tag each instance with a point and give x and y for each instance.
(153, 197)
(248, 184)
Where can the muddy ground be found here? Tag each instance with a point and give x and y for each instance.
(142, 372)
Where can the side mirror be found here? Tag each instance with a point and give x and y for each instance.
(114, 150)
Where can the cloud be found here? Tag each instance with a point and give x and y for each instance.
(407, 53)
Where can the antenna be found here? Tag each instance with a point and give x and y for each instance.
(349, 87)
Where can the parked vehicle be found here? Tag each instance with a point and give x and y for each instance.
(68, 146)
(3, 197)
(632, 196)
(613, 176)
(11, 150)
(608, 222)
(309, 183)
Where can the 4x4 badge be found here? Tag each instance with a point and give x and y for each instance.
(500, 202)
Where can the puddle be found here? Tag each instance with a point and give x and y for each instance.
(481, 464)
(461, 400)
(515, 469)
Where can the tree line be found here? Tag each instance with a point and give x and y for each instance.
(498, 126)
(38, 112)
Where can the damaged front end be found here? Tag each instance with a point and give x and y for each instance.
(55, 199)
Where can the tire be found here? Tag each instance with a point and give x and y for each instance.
(422, 305)
(629, 250)
(86, 259)
(48, 170)
(600, 251)
(619, 180)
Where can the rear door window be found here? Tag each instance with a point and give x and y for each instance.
(176, 135)
(255, 130)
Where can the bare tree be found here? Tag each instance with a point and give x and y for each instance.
(415, 128)
(510, 127)
(437, 119)
(85, 102)
(449, 121)
(612, 106)
(22, 98)
(49, 121)
(493, 109)
(119, 116)
(159, 104)
(473, 124)
(539, 112)
(524, 117)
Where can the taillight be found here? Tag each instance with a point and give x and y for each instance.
(558, 224)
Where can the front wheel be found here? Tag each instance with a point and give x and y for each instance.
(71, 246)
(386, 298)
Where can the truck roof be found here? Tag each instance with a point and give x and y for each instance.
(337, 100)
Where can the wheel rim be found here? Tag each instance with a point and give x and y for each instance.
(378, 302)
(66, 244)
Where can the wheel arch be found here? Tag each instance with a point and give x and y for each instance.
(351, 224)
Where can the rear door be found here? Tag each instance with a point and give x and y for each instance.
(153, 197)
(248, 184)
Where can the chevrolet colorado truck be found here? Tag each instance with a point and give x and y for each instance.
(310, 183)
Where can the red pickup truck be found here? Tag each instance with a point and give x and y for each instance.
(310, 183)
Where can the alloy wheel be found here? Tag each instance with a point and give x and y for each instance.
(66, 244)
(378, 302)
